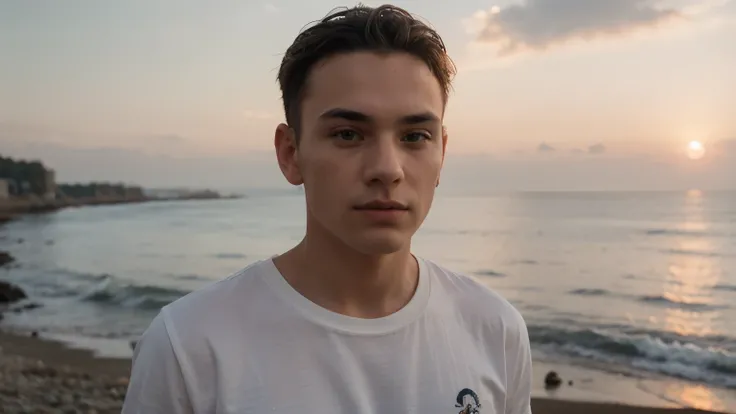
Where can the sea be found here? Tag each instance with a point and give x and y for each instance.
(639, 283)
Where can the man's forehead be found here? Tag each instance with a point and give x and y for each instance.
(376, 85)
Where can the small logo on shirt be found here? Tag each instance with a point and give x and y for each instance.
(468, 400)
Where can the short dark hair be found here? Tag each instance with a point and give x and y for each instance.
(381, 29)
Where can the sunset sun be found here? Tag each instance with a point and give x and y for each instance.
(695, 150)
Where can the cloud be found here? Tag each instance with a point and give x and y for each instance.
(544, 147)
(710, 6)
(541, 24)
(596, 149)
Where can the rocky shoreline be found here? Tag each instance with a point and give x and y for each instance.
(30, 386)
(15, 207)
(9, 293)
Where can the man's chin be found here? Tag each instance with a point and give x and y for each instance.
(380, 242)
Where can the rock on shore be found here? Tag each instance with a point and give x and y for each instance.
(9, 293)
(5, 258)
(29, 386)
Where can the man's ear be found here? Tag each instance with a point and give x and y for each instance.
(444, 149)
(444, 142)
(287, 153)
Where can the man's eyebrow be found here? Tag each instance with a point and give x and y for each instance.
(351, 115)
(420, 118)
(346, 114)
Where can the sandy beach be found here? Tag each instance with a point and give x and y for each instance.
(38, 375)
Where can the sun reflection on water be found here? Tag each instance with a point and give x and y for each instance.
(693, 268)
(695, 396)
(691, 276)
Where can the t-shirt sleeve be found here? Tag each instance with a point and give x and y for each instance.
(519, 369)
(157, 383)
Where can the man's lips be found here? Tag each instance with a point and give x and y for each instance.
(382, 205)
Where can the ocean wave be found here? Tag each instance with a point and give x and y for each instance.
(589, 292)
(490, 273)
(680, 232)
(113, 292)
(651, 352)
(80, 276)
(466, 232)
(688, 252)
(59, 283)
(525, 262)
(672, 301)
(230, 256)
(188, 277)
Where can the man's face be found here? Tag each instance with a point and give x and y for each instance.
(370, 150)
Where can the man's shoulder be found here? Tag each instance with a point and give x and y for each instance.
(472, 297)
(213, 311)
(209, 301)
(184, 340)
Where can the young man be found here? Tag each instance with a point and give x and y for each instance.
(348, 320)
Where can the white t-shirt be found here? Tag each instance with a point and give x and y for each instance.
(252, 344)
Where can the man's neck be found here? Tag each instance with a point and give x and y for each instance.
(338, 278)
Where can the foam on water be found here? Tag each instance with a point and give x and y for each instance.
(590, 292)
(650, 351)
(673, 301)
(113, 292)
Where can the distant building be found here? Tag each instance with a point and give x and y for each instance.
(4, 189)
(49, 185)
(25, 188)
(134, 193)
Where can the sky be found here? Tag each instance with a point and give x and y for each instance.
(550, 94)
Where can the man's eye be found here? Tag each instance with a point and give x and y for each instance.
(415, 137)
(346, 135)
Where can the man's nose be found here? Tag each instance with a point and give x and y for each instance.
(383, 161)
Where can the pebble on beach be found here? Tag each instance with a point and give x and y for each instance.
(29, 386)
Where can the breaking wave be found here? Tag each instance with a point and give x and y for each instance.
(589, 292)
(680, 232)
(490, 273)
(672, 301)
(711, 360)
(113, 292)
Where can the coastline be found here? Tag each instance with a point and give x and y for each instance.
(49, 369)
(14, 207)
